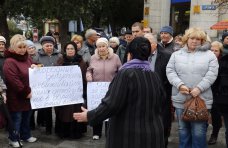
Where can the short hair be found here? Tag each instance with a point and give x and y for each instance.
(114, 39)
(151, 36)
(90, 32)
(178, 37)
(140, 48)
(77, 37)
(151, 29)
(70, 43)
(17, 38)
(196, 33)
(217, 43)
(140, 25)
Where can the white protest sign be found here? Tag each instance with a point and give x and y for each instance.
(55, 86)
(95, 92)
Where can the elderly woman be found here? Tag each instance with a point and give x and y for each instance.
(47, 56)
(114, 43)
(133, 103)
(192, 70)
(18, 91)
(216, 48)
(69, 128)
(31, 48)
(220, 86)
(81, 50)
(103, 67)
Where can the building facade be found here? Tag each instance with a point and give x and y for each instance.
(182, 14)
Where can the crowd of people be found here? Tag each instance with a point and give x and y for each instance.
(150, 82)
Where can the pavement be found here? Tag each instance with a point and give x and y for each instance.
(52, 141)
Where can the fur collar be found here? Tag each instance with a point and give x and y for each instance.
(206, 46)
(110, 53)
(18, 57)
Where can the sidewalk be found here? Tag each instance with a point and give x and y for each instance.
(52, 141)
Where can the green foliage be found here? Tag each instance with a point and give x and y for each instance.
(13, 28)
(94, 13)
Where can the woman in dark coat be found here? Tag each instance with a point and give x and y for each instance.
(221, 85)
(67, 126)
(133, 103)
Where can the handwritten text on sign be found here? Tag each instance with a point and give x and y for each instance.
(95, 92)
(55, 86)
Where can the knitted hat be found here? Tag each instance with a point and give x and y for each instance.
(167, 29)
(30, 43)
(47, 39)
(224, 35)
(102, 40)
(2, 39)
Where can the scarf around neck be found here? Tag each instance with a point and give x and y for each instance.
(138, 64)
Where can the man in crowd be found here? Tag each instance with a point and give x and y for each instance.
(167, 42)
(137, 29)
(91, 38)
(2, 49)
(158, 60)
(147, 30)
(122, 49)
(225, 41)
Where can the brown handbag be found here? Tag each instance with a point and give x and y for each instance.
(195, 110)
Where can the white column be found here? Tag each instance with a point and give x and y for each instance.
(205, 19)
(159, 13)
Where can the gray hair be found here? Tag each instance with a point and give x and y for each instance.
(90, 32)
(151, 37)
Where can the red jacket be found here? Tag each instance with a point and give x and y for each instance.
(16, 74)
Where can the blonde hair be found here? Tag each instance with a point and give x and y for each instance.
(218, 44)
(194, 33)
(17, 39)
(78, 38)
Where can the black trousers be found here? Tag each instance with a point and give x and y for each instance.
(44, 117)
(216, 120)
(167, 117)
(97, 129)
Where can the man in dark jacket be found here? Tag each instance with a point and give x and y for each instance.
(167, 42)
(91, 38)
(158, 61)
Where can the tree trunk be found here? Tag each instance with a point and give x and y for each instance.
(64, 37)
(4, 30)
(96, 20)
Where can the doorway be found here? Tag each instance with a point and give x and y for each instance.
(180, 16)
